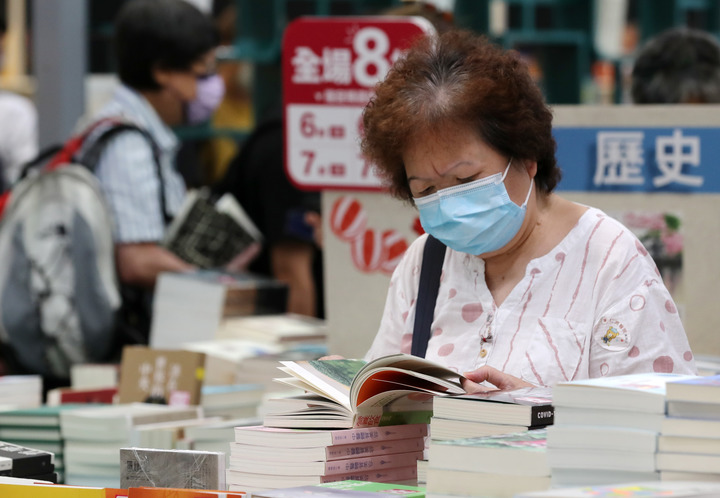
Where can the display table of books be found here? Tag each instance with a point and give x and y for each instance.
(643, 435)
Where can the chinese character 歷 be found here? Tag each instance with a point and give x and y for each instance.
(619, 158)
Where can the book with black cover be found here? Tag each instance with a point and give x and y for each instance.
(21, 461)
(209, 233)
(530, 407)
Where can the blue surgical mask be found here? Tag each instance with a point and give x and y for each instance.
(474, 218)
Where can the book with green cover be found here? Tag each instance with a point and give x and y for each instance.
(41, 416)
(392, 390)
(348, 488)
(518, 453)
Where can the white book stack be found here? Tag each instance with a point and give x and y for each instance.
(213, 436)
(263, 458)
(20, 391)
(231, 401)
(499, 466)
(94, 435)
(606, 429)
(689, 443)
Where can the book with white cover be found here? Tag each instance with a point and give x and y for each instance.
(599, 417)
(688, 462)
(282, 438)
(116, 422)
(693, 409)
(443, 428)
(670, 475)
(565, 477)
(675, 426)
(464, 483)
(685, 444)
(601, 459)
(643, 392)
(522, 453)
(601, 438)
(275, 328)
(698, 389)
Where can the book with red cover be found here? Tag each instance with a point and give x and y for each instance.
(304, 438)
(238, 480)
(327, 453)
(379, 463)
(66, 395)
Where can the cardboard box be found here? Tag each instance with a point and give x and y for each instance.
(173, 377)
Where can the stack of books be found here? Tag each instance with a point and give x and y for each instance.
(500, 465)
(20, 391)
(283, 329)
(213, 436)
(264, 458)
(190, 306)
(231, 401)
(28, 463)
(94, 435)
(493, 413)
(606, 429)
(476, 415)
(689, 442)
(37, 428)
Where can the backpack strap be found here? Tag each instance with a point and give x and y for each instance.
(91, 156)
(433, 257)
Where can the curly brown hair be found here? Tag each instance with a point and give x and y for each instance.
(458, 78)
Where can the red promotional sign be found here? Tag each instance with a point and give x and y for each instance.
(330, 66)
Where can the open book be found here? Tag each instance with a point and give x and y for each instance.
(210, 233)
(395, 389)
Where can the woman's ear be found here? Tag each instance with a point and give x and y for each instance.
(531, 167)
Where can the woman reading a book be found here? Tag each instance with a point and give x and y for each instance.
(535, 289)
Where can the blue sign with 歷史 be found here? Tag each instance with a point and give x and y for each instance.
(639, 159)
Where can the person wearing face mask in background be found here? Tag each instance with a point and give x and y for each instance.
(534, 289)
(165, 62)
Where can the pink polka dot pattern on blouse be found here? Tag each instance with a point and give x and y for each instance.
(446, 349)
(406, 343)
(670, 306)
(687, 356)
(634, 352)
(405, 315)
(637, 302)
(663, 364)
(662, 326)
(437, 332)
(452, 293)
(471, 312)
